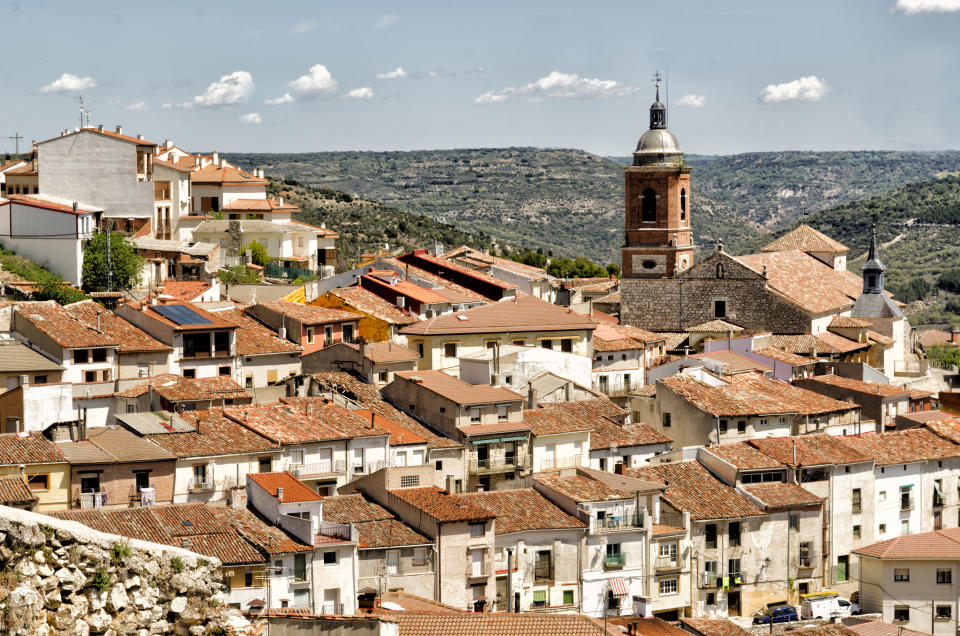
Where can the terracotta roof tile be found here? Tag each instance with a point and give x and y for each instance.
(309, 314)
(691, 488)
(806, 281)
(303, 422)
(424, 275)
(15, 492)
(879, 628)
(30, 448)
(581, 488)
(254, 338)
(131, 339)
(607, 434)
(387, 533)
(354, 508)
(62, 326)
(115, 445)
(901, 447)
(185, 290)
(457, 390)
(847, 322)
(442, 507)
(215, 435)
(714, 627)
(553, 422)
(294, 490)
(365, 301)
(214, 321)
(399, 434)
(527, 313)
(715, 326)
(744, 456)
(859, 386)
(784, 356)
(422, 256)
(948, 429)
(805, 239)
(522, 509)
(811, 450)
(385, 352)
(782, 495)
(260, 205)
(733, 362)
(499, 624)
(939, 545)
(214, 174)
(176, 388)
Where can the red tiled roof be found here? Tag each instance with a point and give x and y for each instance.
(581, 488)
(254, 338)
(526, 313)
(523, 509)
(354, 508)
(939, 545)
(784, 356)
(399, 435)
(259, 205)
(714, 627)
(185, 290)
(499, 624)
(387, 533)
(734, 362)
(106, 133)
(15, 492)
(588, 410)
(805, 239)
(847, 322)
(423, 274)
(442, 507)
(215, 435)
(879, 628)
(744, 456)
(176, 388)
(61, 326)
(303, 422)
(215, 322)
(216, 175)
(131, 339)
(715, 326)
(365, 301)
(901, 447)
(294, 490)
(869, 388)
(622, 337)
(806, 281)
(947, 428)
(782, 495)
(609, 434)
(553, 422)
(691, 488)
(404, 287)
(30, 448)
(811, 450)
(309, 314)
(456, 390)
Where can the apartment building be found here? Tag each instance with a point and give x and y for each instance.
(380, 320)
(263, 358)
(622, 354)
(293, 247)
(407, 448)
(138, 354)
(881, 403)
(204, 344)
(537, 550)
(18, 360)
(171, 194)
(559, 439)
(311, 327)
(530, 280)
(375, 362)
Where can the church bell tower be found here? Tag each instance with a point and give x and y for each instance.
(658, 242)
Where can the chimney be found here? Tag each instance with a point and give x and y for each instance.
(216, 157)
(100, 128)
(167, 143)
(119, 130)
(401, 301)
(140, 137)
(372, 418)
(323, 225)
(99, 330)
(532, 397)
(185, 543)
(280, 493)
(76, 207)
(281, 201)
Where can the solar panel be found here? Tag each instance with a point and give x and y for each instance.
(181, 315)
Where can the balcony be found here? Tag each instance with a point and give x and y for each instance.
(498, 465)
(667, 563)
(614, 524)
(551, 463)
(368, 468)
(306, 471)
(614, 561)
(710, 580)
(336, 531)
(201, 484)
(477, 570)
(331, 608)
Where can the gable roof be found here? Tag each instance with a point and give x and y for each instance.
(15, 492)
(778, 494)
(744, 456)
(366, 301)
(110, 445)
(805, 239)
(901, 447)
(308, 314)
(499, 624)
(810, 450)
(440, 506)
(939, 545)
(61, 326)
(106, 133)
(860, 386)
(175, 388)
(214, 435)
(17, 357)
(692, 488)
(303, 422)
(184, 290)
(608, 434)
(582, 488)
(253, 338)
(806, 281)
(294, 490)
(715, 326)
(399, 434)
(215, 322)
(214, 174)
(376, 526)
(130, 339)
(526, 313)
(713, 627)
(456, 390)
(523, 509)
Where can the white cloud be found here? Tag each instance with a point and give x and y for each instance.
(303, 26)
(286, 98)
(358, 93)
(694, 101)
(69, 82)
(560, 85)
(386, 21)
(911, 7)
(397, 73)
(318, 82)
(251, 118)
(229, 89)
(138, 106)
(811, 89)
(167, 106)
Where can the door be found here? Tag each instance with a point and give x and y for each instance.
(482, 456)
(476, 563)
(326, 457)
(843, 562)
(733, 603)
(393, 562)
(549, 456)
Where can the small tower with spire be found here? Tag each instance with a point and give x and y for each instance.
(873, 269)
(658, 242)
(874, 303)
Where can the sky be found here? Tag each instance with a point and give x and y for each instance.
(285, 76)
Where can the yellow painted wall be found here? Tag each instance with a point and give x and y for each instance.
(238, 578)
(57, 496)
(369, 328)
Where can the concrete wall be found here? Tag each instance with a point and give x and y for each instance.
(561, 451)
(52, 239)
(880, 593)
(141, 365)
(472, 343)
(564, 547)
(410, 578)
(256, 371)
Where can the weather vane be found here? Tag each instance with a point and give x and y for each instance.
(656, 78)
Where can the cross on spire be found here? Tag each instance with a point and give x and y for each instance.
(656, 78)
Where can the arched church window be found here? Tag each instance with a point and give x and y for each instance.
(648, 206)
(719, 270)
(683, 204)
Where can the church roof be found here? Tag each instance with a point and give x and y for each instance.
(805, 239)
(806, 281)
(875, 306)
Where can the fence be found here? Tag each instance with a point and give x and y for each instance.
(291, 273)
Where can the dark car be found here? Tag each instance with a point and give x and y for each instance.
(780, 614)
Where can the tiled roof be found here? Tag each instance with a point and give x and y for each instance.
(294, 490)
(487, 260)
(933, 337)
(782, 495)
(353, 508)
(946, 428)
(522, 509)
(810, 450)
(62, 326)
(113, 445)
(28, 448)
(752, 394)
(367, 396)
(526, 313)
(733, 362)
(403, 287)
(399, 435)
(217, 175)
(901, 447)
(879, 628)
(456, 390)
(369, 303)
(609, 299)
(818, 345)
(309, 421)
(691, 488)
(608, 434)
(805, 239)
(376, 526)
(184, 290)
(386, 352)
(859, 386)
(846, 322)
(806, 281)
(436, 503)
(260, 205)
(553, 421)
(422, 256)
(215, 322)
(387, 533)
(622, 337)
(15, 492)
(253, 338)
(744, 456)
(411, 271)
(18, 357)
(106, 133)
(588, 410)
(215, 435)
(581, 488)
(176, 388)
(309, 314)
(499, 624)
(714, 627)
(715, 326)
(131, 339)
(939, 545)
(579, 283)
(784, 356)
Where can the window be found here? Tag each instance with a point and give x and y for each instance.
(296, 457)
(566, 345)
(81, 356)
(806, 554)
(90, 482)
(733, 533)
(904, 527)
(683, 204)
(882, 529)
(666, 420)
(90, 376)
(794, 520)
(719, 309)
(196, 345)
(348, 333)
(648, 206)
(733, 567)
(39, 379)
(539, 598)
(476, 413)
(189, 373)
(901, 575)
(668, 550)
(944, 575)
(519, 343)
(855, 501)
(568, 597)
(711, 598)
(543, 566)
(141, 479)
(38, 482)
(668, 586)
(300, 567)
(856, 531)
(382, 376)
(330, 558)
(225, 371)
(265, 464)
(99, 355)
(439, 465)
(420, 349)
(248, 381)
(710, 534)
(906, 497)
(944, 612)
(722, 425)
(546, 344)
(901, 613)
(882, 495)
(501, 413)
(420, 556)
(613, 603)
(477, 529)
(409, 481)
(450, 349)
(248, 578)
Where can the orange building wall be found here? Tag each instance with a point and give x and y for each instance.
(369, 328)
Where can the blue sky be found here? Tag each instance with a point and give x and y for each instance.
(744, 76)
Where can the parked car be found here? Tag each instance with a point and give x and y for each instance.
(848, 608)
(779, 614)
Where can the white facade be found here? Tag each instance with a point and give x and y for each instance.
(266, 369)
(326, 466)
(564, 450)
(616, 373)
(540, 589)
(219, 474)
(520, 364)
(606, 459)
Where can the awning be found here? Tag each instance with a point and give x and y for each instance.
(492, 440)
(619, 588)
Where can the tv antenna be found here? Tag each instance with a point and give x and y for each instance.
(84, 112)
(16, 142)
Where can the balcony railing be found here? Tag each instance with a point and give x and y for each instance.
(303, 471)
(710, 579)
(614, 561)
(331, 608)
(613, 524)
(555, 463)
(340, 531)
(368, 468)
(667, 562)
(502, 464)
(200, 484)
(477, 570)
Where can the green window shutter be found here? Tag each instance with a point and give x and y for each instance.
(539, 596)
(568, 597)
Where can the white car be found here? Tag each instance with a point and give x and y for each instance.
(847, 608)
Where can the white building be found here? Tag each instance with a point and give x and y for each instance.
(514, 366)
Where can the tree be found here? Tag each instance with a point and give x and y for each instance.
(258, 253)
(125, 263)
(613, 269)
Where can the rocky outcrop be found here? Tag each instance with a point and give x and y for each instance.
(61, 577)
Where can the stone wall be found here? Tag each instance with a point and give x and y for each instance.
(61, 577)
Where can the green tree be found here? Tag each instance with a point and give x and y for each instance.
(258, 253)
(613, 269)
(944, 354)
(125, 263)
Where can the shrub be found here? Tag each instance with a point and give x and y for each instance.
(102, 580)
(258, 253)
(121, 551)
(176, 563)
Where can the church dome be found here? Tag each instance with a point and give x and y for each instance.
(658, 146)
(660, 141)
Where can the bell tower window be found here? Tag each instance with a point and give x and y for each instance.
(648, 207)
(683, 204)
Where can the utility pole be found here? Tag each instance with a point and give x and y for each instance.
(109, 267)
(16, 143)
